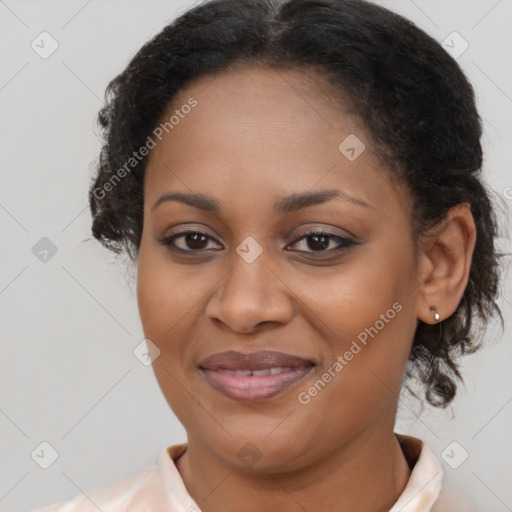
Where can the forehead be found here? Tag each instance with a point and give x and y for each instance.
(246, 90)
(266, 132)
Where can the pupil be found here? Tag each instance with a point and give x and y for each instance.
(194, 242)
(323, 244)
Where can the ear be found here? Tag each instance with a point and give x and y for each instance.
(445, 260)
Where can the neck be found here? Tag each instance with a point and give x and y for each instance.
(369, 473)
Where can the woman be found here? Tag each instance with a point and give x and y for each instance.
(298, 184)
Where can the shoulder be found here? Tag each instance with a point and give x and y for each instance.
(135, 493)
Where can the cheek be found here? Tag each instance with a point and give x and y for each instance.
(170, 299)
(166, 311)
(164, 294)
(365, 358)
(354, 298)
(365, 315)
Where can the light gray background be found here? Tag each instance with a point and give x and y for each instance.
(68, 375)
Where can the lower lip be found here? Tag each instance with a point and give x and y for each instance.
(254, 388)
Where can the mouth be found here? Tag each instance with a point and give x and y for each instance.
(254, 377)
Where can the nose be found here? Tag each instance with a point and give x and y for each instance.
(250, 296)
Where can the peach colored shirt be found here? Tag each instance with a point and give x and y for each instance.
(160, 487)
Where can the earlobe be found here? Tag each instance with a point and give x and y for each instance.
(437, 317)
(448, 250)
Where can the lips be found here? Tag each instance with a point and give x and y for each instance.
(262, 360)
(255, 376)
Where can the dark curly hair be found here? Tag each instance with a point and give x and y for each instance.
(414, 99)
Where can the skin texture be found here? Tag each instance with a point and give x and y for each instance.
(257, 135)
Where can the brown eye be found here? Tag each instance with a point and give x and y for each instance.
(320, 241)
(190, 241)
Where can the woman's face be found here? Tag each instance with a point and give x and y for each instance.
(340, 322)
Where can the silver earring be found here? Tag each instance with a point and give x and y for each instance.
(436, 314)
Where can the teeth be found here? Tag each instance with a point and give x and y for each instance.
(261, 372)
(258, 373)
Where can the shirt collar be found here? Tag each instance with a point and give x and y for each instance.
(177, 495)
(420, 493)
(424, 484)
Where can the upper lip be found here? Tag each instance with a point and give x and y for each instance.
(262, 360)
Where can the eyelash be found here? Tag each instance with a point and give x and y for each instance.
(344, 243)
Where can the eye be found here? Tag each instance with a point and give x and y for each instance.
(189, 241)
(319, 241)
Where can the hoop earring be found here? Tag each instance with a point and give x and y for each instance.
(436, 314)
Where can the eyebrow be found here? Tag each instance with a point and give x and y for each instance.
(286, 204)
